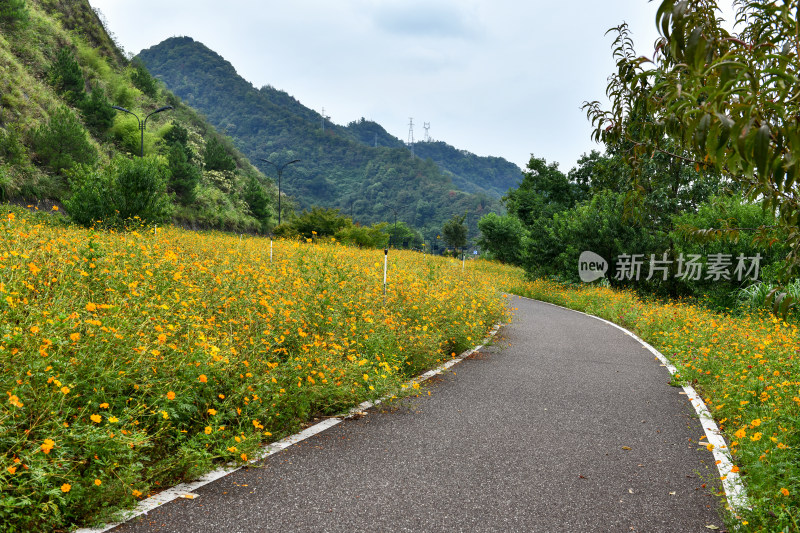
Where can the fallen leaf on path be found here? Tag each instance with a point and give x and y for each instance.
(626, 447)
(712, 526)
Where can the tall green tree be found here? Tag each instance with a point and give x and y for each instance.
(728, 102)
(454, 232)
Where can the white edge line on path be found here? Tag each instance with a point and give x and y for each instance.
(186, 489)
(731, 481)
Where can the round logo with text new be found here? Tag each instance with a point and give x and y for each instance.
(591, 266)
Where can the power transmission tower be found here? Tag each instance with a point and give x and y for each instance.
(323, 119)
(427, 126)
(411, 135)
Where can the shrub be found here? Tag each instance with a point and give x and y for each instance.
(13, 12)
(184, 176)
(97, 112)
(142, 79)
(258, 202)
(216, 157)
(62, 142)
(126, 189)
(66, 77)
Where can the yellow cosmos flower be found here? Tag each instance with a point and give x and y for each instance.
(208, 430)
(170, 395)
(66, 487)
(96, 418)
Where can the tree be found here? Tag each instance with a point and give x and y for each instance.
(258, 201)
(216, 156)
(62, 142)
(184, 176)
(66, 77)
(502, 237)
(98, 113)
(454, 232)
(716, 101)
(142, 79)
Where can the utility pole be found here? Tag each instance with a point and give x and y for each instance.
(411, 135)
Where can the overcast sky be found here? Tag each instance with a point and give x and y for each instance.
(495, 77)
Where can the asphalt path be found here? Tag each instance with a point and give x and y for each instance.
(564, 423)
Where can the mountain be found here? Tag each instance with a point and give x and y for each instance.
(60, 75)
(359, 168)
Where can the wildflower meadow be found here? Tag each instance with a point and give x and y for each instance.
(132, 361)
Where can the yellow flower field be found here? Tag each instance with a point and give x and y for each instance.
(132, 361)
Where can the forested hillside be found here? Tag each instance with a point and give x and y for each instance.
(62, 143)
(340, 167)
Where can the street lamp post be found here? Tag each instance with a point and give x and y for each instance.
(279, 168)
(142, 124)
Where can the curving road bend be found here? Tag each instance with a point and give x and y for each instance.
(563, 424)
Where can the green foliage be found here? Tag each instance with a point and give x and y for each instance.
(142, 79)
(97, 113)
(319, 222)
(729, 102)
(216, 156)
(184, 176)
(259, 202)
(454, 232)
(13, 12)
(402, 236)
(177, 134)
(12, 151)
(63, 142)
(502, 237)
(66, 77)
(364, 236)
(127, 189)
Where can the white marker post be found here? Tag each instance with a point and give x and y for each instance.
(385, 268)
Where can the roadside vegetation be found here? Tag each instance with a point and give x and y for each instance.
(131, 361)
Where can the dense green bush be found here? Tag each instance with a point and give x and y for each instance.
(142, 79)
(62, 142)
(184, 176)
(125, 190)
(13, 12)
(216, 156)
(502, 238)
(66, 77)
(97, 112)
(259, 202)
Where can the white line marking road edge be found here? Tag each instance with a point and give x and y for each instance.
(731, 481)
(181, 490)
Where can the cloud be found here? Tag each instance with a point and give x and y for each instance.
(424, 19)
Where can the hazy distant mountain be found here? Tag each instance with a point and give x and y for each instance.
(359, 168)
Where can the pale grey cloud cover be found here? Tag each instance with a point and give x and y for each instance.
(495, 77)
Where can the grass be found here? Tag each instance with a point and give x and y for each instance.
(747, 369)
(132, 361)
